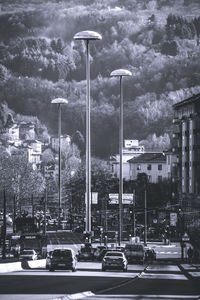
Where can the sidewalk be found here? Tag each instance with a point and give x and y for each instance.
(191, 270)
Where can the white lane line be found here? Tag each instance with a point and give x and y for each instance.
(95, 297)
(76, 274)
(163, 276)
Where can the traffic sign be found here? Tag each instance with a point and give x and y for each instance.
(185, 237)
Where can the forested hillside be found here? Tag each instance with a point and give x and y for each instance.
(158, 41)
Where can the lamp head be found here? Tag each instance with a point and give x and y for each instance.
(59, 101)
(120, 72)
(87, 35)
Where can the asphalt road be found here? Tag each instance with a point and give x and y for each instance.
(138, 283)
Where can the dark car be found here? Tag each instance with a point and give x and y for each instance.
(150, 254)
(62, 259)
(86, 253)
(97, 251)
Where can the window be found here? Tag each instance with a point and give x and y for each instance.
(159, 178)
(149, 167)
(138, 167)
(159, 167)
(149, 178)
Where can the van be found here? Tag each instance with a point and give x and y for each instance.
(64, 259)
(135, 252)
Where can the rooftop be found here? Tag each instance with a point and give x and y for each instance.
(149, 158)
(194, 99)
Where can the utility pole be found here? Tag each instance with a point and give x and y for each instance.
(145, 217)
(14, 212)
(45, 211)
(134, 229)
(32, 205)
(4, 226)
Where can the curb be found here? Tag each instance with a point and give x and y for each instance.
(21, 265)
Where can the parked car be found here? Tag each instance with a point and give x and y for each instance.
(114, 260)
(48, 259)
(63, 259)
(28, 254)
(86, 253)
(150, 254)
(135, 252)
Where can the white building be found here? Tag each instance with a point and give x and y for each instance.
(131, 149)
(153, 164)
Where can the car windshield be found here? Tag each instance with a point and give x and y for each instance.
(27, 252)
(61, 253)
(114, 254)
(134, 247)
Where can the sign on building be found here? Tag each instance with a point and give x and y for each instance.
(126, 199)
(27, 210)
(173, 219)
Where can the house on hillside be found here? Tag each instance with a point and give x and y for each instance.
(187, 136)
(153, 164)
(27, 131)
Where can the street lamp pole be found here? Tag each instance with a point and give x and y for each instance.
(120, 73)
(59, 102)
(87, 36)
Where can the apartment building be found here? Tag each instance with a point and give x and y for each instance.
(187, 147)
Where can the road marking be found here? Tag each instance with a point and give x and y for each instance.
(94, 297)
(76, 274)
(163, 276)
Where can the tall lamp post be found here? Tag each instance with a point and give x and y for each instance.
(87, 36)
(120, 73)
(59, 102)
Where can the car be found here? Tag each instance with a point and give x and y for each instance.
(28, 254)
(135, 252)
(114, 260)
(86, 253)
(48, 259)
(63, 259)
(98, 251)
(150, 254)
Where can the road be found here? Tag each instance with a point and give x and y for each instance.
(161, 280)
(147, 281)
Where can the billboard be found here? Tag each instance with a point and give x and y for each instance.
(126, 199)
(173, 219)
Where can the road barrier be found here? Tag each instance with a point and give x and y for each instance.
(19, 266)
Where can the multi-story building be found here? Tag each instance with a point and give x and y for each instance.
(131, 149)
(187, 136)
(153, 164)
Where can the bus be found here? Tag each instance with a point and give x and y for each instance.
(34, 241)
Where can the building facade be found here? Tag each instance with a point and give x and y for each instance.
(131, 149)
(187, 136)
(153, 164)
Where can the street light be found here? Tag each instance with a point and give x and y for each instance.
(59, 102)
(120, 73)
(87, 36)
